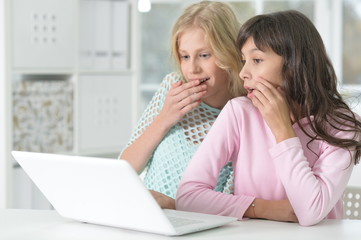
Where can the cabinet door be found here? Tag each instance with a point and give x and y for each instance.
(104, 111)
(44, 33)
(26, 194)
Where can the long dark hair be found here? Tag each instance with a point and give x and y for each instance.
(310, 82)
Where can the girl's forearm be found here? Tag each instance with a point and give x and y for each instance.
(139, 152)
(278, 210)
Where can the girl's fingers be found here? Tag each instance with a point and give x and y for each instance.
(259, 98)
(256, 102)
(191, 99)
(181, 93)
(267, 89)
(191, 92)
(189, 107)
(267, 96)
(184, 86)
(271, 93)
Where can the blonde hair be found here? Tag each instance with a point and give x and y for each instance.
(221, 27)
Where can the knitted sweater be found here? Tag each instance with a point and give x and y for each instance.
(169, 160)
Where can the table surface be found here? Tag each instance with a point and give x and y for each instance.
(47, 224)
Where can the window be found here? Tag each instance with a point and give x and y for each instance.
(351, 54)
(339, 23)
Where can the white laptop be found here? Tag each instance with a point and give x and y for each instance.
(107, 192)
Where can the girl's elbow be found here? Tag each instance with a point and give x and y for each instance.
(184, 200)
(309, 220)
(181, 203)
(179, 200)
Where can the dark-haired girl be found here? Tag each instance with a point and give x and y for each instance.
(293, 141)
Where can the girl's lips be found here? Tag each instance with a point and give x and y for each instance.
(204, 80)
(249, 90)
(201, 80)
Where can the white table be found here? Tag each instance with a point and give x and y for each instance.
(47, 224)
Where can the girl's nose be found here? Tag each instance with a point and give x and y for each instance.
(194, 66)
(244, 73)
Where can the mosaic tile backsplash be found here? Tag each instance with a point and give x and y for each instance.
(43, 115)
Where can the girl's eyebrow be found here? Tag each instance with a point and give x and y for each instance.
(252, 50)
(197, 50)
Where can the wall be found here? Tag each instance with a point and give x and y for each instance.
(355, 179)
(71, 82)
(3, 113)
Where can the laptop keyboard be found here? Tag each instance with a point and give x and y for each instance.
(179, 222)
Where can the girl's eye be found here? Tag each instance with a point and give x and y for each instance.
(184, 57)
(257, 60)
(205, 55)
(243, 62)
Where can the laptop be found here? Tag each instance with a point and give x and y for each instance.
(107, 192)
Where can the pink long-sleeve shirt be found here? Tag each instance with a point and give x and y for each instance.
(313, 178)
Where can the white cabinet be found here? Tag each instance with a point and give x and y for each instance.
(104, 113)
(26, 194)
(104, 35)
(72, 79)
(44, 33)
(78, 50)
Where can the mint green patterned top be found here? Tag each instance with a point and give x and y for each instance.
(171, 157)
